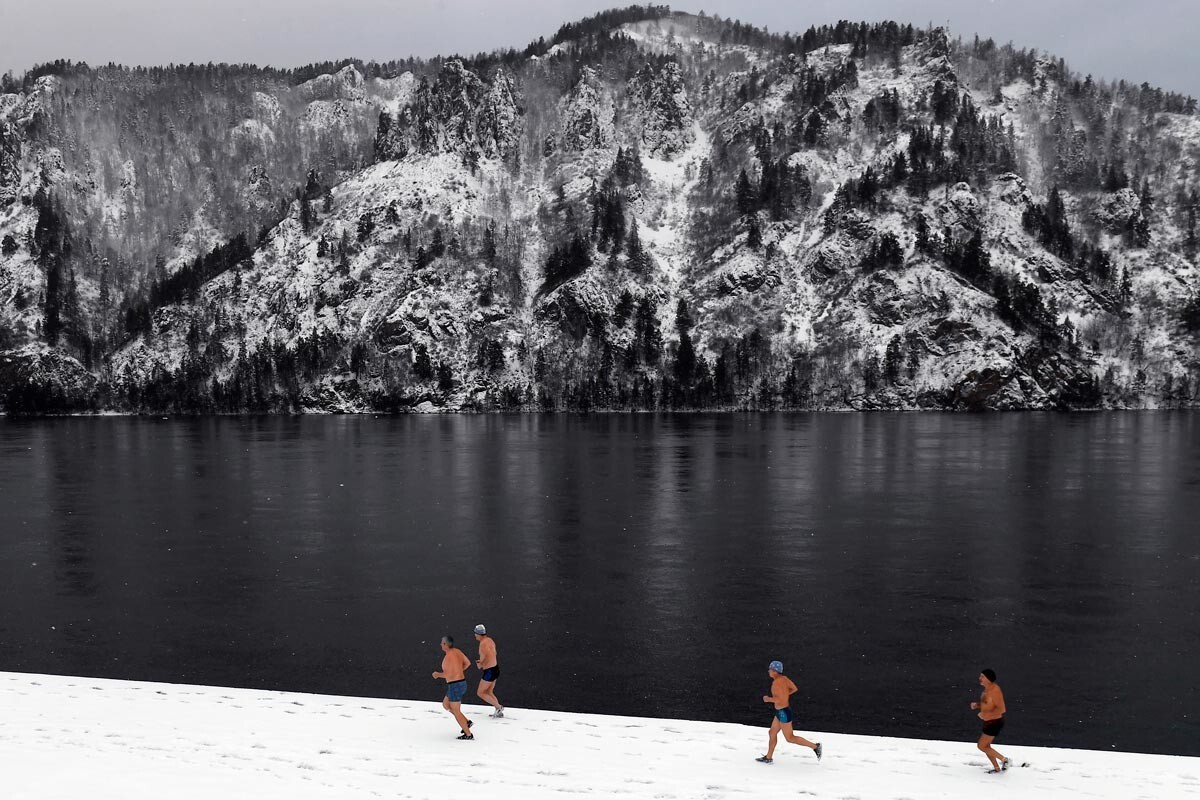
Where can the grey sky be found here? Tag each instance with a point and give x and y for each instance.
(1138, 40)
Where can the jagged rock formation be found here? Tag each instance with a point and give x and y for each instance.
(457, 113)
(587, 116)
(651, 211)
(660, 97)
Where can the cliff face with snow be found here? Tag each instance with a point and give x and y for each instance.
(660, 213)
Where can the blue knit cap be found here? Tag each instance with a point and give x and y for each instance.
(776, 666)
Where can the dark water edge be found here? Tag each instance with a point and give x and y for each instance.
(633, 564)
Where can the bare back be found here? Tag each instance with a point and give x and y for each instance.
(454, 665)
(487, 653)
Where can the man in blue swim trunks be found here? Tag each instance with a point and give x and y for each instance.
(491, 671)
(454, 672)
(781, 689)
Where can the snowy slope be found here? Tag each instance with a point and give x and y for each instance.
(442, 275)
(63, 738)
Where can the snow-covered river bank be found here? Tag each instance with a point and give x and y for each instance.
(63, 737)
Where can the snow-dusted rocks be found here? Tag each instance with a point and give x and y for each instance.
(586, 115)
(10, 160)
(660, 97)
(457, 113)
(1117, 211)
(960, 209)
(345, 84)
(405, 232)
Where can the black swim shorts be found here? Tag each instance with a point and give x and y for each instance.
(992, 727)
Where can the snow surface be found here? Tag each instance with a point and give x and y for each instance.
(673, 178)
(66, 737)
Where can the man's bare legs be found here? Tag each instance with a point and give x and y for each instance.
(993, 755)
(455, 710)
(786, 727)
(774, 737)
(794, 739)
(487, 694)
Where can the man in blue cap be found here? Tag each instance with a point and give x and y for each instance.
(781, 689)
(491, 671)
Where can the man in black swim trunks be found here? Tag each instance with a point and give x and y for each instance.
(491, 671)
(991, 711)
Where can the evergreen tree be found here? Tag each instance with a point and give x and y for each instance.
(1189, 242)
(685, 355)
(422, 366)
(307, 220)
(893, 359)
(922, 235)
(754, 236)
(51, 322)
(747, 201)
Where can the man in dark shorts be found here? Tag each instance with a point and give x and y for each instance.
(454, 672)
(991, 711)
(782, 688)
(491, 671)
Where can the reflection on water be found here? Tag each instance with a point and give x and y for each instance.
(629, 564)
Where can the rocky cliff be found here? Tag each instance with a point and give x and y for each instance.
(648, 212)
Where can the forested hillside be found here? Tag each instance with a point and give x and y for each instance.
(649, 210)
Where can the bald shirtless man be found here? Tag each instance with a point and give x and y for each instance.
(991, 711)
(454, 673)
(491, 671)
(781, 689)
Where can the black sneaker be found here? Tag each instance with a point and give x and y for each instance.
(817, 750)
(470, 724)
(765, 760)
(1004, 764)
(469, 737)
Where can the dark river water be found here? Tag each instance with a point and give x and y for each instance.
(634, 565)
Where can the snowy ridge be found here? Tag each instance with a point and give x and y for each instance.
(62, 738)
(539, 232)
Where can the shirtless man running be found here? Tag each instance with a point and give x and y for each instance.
(454, 672)
(781, 689)
(991, 711)
(491, 671)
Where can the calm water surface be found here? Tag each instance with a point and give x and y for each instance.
(630, 564)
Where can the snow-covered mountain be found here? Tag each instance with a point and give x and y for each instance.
(652, 210)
